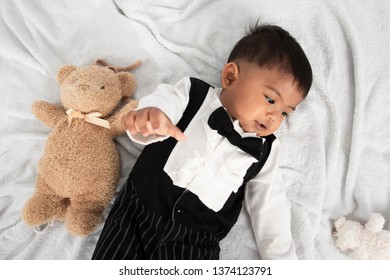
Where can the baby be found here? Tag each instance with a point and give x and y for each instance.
(208, 151)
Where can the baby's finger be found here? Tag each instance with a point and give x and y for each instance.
(128, 122)
(157, 119)
(141, 122)
(175, 132)
(162, 125)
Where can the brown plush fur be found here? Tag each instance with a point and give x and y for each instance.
(79, 169)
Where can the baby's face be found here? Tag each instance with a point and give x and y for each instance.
(259, 98)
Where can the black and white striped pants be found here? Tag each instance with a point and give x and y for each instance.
(132, 231)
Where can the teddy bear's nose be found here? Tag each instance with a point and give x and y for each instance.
(83, 87)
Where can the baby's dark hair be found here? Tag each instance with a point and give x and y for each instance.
(271, 46)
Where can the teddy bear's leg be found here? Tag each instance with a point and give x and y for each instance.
(44, 205)
(361, 253)
(84, 215)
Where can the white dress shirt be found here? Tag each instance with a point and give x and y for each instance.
(208, 165)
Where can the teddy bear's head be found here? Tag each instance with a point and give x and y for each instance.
(94, 88)
(370, 241)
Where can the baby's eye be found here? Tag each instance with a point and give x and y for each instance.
(284, 114)
(269, 99)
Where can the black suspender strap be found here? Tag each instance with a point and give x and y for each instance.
(198, 92)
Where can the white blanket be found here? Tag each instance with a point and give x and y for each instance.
(335, 147)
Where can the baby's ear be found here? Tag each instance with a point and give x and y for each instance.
(64, 72)
(229, 74)
(128, 83)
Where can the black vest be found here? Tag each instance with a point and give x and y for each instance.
(158, 193)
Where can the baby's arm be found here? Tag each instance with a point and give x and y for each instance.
(158, 113)
(269, 210)
(151, 120)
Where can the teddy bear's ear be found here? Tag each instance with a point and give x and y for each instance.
(64, 72)
(128, 83)
(340, 222)
(375, 223)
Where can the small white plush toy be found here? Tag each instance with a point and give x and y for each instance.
(368, 242)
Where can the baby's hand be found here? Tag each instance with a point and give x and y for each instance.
(149, 121)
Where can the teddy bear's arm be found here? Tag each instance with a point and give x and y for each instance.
(116, 120)
(48, 113)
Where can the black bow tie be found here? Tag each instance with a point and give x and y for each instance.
(220, 121)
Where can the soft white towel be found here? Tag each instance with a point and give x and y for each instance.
(335, 148)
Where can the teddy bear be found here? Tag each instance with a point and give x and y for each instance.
(368, 242)
(78, 172)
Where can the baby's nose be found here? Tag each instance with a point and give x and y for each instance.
(271, 117)
(83, 87)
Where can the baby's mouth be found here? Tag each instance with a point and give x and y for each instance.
(260, 125)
